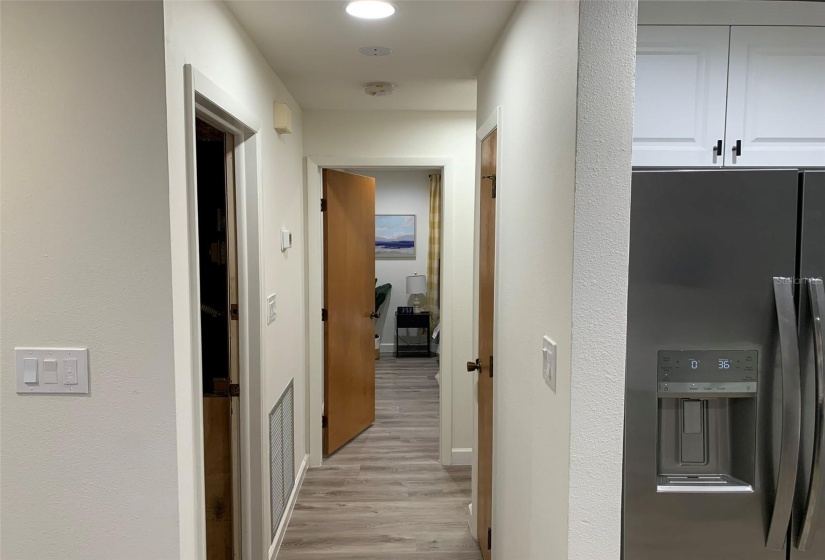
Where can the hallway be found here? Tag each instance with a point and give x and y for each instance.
(385, 495)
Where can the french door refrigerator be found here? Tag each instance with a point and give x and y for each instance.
(725, 427)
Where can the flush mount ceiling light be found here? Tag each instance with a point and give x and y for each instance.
(370, 9)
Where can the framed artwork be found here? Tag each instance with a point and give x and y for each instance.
(395, 236)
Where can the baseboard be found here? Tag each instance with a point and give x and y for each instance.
(462, 456)
(290, 507)
(387, 348)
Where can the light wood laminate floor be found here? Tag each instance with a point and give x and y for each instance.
(385, 496)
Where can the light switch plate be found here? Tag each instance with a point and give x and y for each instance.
(286, 239)
(271, 309)
(550, 358)
(60, 371)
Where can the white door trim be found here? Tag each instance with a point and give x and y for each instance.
(205, 99)
(491, 123)
(315, 296)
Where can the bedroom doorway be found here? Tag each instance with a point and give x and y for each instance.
(394, 465)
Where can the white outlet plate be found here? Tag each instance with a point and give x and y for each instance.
(271, 309)
(67, 372)
(549, 353)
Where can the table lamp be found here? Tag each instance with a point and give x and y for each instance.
(416, 285)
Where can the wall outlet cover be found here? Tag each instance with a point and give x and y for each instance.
(271, 309)
(549, 360)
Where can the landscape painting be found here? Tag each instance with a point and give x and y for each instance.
(394, 236)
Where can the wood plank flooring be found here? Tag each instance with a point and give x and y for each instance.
(385, 496)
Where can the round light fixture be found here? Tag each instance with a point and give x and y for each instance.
(370, 9)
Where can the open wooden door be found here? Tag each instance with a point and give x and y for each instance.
(349, 305)
(218, 283)
(484, 363)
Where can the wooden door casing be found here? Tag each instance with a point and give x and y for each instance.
(486, 291)
(349, 300)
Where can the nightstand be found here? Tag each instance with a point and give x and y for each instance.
(412, 321)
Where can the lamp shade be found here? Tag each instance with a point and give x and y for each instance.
(417, 284)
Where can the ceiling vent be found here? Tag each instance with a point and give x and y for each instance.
(379, 89)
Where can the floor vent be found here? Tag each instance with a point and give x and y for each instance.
(281, 455)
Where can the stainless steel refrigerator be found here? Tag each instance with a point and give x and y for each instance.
(725, 426)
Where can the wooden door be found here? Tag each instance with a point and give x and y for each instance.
(776, 97)
(349, 303)
(681, 86)
(484, 363)
(218, 277)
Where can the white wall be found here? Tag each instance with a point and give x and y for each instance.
(563, 75)
(401, 191)
(419, 134)
(85, 262)
(607, 66)
(206, 35)
(531, 74)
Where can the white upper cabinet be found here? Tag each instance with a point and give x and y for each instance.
(776, 97)
(681, 87)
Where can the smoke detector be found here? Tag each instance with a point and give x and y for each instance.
(379, 89)
(375, 51)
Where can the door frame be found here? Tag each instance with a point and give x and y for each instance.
(491, 123)
(206, 100)
(315, 291)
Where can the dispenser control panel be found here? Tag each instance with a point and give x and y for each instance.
(709, 372)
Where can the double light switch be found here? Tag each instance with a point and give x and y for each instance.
(52, 370)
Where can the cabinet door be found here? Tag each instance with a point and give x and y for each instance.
(776, 97)
(681, 87)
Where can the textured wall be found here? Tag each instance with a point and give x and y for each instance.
(607, 44)
(531, 74)
(85, 262)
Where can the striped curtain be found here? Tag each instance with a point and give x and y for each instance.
(434, 254)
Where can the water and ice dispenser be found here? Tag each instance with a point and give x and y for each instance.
(707, 420)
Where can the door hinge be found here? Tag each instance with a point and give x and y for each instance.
(324, 314)
(489, 538)
(233, 312)
(323, 205)
(324, 421)
(234, 390)
(493, 179)
(491, 367)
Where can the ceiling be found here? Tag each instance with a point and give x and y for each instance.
(438, 49)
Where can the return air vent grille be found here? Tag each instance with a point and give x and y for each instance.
(281, 455)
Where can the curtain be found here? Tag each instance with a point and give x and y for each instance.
(434, 253)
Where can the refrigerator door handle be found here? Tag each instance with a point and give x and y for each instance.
(817, 299)
(791, 414)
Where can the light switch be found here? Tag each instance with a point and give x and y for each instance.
(30, 371)
(50, 371)
(549, 362)
(271, 309)
(70, 371)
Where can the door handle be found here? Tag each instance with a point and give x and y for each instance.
(717, 150)
(474, 366)
(791, 414)
(375, 315)
(816, 294)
